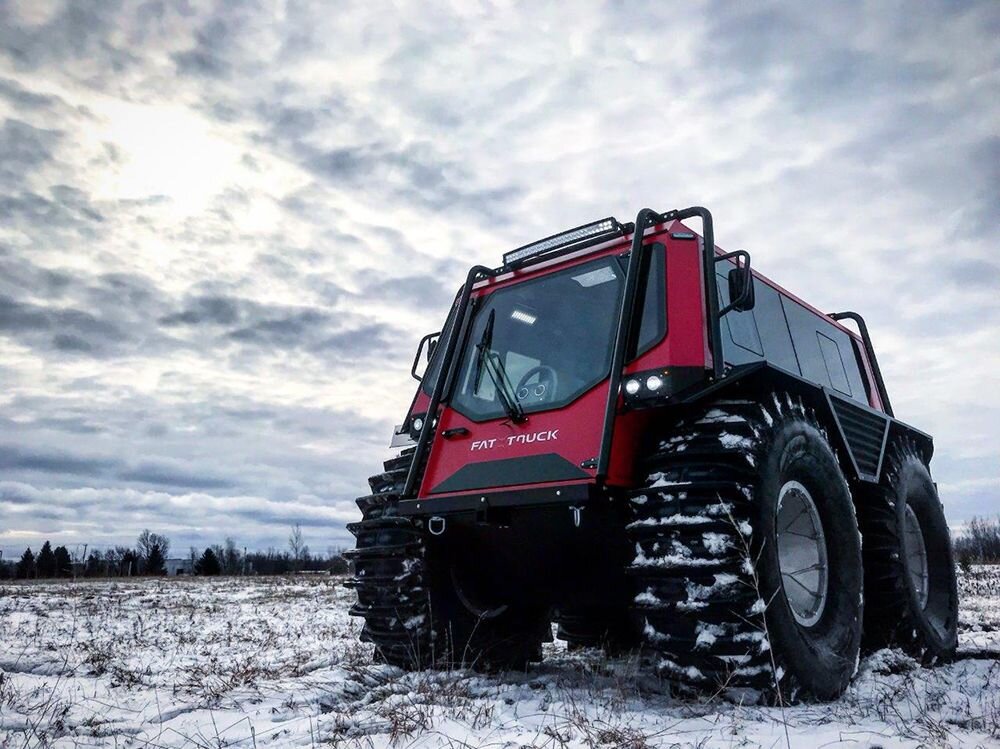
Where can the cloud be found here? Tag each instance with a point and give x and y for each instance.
(225, 228)
(32, 322)
(175, 476)
(25, 148)
(12, 458)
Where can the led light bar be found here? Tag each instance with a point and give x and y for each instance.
(608, 226)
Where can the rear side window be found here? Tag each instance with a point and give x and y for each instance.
(834, 363)
(825, 353)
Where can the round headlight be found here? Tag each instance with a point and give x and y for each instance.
(654, 382)
(631, 387)
(418, 424)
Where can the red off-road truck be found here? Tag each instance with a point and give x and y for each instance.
(627, 431)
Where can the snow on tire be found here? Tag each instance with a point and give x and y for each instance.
(909, 562)
(747, 553)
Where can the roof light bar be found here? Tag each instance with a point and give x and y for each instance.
(605, 227)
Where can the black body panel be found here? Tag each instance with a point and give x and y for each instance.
(534, 469)
(860, 433)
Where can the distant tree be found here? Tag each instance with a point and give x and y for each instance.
(338, 565)
(155, 561)
(298, 546)
(144, 546)
(94, 565)
(63, 562)
(46, 562)
(208, 564)
(230, 558)
(128, 561)
(979, 543)
(271, 562)
(26, 567)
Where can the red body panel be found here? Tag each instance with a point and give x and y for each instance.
(569, 432)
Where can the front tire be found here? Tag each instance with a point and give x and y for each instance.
(416, 612)
(714, 567)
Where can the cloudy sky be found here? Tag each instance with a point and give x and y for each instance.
(224, 226)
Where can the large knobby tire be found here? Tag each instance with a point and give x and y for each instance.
(415, 612)
(390, 574)
(818, 645)
(909, 562)
(709, 535)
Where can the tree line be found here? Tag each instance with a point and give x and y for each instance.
(979, 543)
(150, 557)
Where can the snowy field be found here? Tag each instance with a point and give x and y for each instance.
(275, 661)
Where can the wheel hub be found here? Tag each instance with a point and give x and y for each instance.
(916, 555)
(802, 558)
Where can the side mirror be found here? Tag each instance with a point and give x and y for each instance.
(741, 289)
(740, 278)
(430, 342)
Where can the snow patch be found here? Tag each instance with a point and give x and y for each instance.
(716, 543)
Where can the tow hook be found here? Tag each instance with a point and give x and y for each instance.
(576, 515)
(436, 525)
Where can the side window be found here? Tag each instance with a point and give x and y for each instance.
(434, 365)
(773, 328)
(834, 363)
(824, 351)
(653, 325)
(742, 326)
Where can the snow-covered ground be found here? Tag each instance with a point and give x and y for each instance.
(275, 661)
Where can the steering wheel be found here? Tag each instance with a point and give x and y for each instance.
(542, 391)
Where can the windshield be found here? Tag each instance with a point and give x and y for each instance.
(548, 340)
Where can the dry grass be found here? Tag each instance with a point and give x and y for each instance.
(252, 662)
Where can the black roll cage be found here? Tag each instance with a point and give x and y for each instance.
(645, 219)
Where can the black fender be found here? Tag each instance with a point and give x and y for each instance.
(859, 434)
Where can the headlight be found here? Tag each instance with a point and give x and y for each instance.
(657, 387)
(418, 424)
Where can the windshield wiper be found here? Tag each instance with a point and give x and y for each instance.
(504, 388)
(490, 361)
(482, 350)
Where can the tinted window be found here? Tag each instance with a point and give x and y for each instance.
(834, 363)
(654, 302)
(808, 331)
(773, 329)
(434, 365)
(553, 336)
(740, 338)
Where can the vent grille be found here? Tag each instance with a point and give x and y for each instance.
(864, 432)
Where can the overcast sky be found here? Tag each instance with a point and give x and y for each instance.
(223, 227)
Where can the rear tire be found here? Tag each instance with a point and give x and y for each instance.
(909, 562)
(713, 561)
